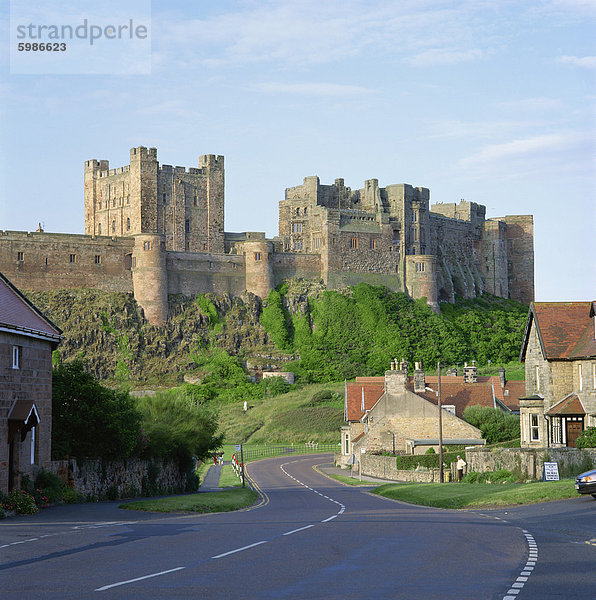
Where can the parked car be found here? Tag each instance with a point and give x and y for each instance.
(585, 483)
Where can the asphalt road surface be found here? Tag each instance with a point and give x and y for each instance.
(309, 537)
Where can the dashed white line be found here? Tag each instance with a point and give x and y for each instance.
(297, 530)
(240, 549)
(527, 570)
(112, 585)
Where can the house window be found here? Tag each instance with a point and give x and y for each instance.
(20, 256)
(556, 430)
(147, 246)
(373, 244)
(72, 258)
(347, 444)
(97, 259)
(257, 256)
(534, 431)
(17, 352)
(354, 243)
(579, 374)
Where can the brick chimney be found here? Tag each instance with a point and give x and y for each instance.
(419, 378)
(470, 373)
(502, 377)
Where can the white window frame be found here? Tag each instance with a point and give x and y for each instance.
(33, 445)
(534, 429)
(17, 352)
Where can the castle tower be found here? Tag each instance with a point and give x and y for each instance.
(259, 271)
(213, 167)
(92, 169)
(149, 276)
(421, 278)
(143, 190)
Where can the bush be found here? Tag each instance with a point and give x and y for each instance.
(430, 461)
(499, 476)
(22, 502)
(587, 439)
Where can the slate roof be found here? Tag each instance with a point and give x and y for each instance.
(565, 329)
(19, 314)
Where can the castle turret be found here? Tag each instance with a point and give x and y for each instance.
(143, 189)
(213, 167)
(259, 271)
(149, 276)
(421, 278)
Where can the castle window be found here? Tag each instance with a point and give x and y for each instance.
(99, 205)
(296, 227)
(20, 256)
(354, 243)
(99, 229)
(46, 260)
(147, 246)
(210, 266)
(164, 198)
(114, 226)
(297, 245)
(194, 200)
(257, 256)
(316, 243)
(127, 199)
(297, 212)
(304, 211)
(128, 224)
(17, 352)
(414, 217)
(97, 259)
(113, 201)
(373, 244)
(187, 226)
(72, 258)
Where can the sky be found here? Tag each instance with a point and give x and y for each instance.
(491, 101)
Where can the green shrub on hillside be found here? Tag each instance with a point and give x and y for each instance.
(208, 309)
(275, 319)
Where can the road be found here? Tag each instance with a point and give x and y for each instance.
(309, 537)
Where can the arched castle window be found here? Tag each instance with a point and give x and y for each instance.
(305, 211)
(297, 212)
(128, 224)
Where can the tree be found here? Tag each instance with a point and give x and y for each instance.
(495, 425)
(174, 426)
(88, 419)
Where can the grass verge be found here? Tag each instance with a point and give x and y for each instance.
(475, 495)
(350, 480)
(206, 502)
(228, 477)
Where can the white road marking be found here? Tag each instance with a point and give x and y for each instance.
(239, 549)
(527, 570)
(112, 585)
(299, 529)
(329, 518)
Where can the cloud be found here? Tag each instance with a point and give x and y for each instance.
(313, 89)
(439, 57)
(541, 147)
(585, 62)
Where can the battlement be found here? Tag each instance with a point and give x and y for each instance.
(142, 152)
(211, 161)
(94, 165)
(462, 211)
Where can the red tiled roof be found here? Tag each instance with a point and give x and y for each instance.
(16, 312)
(571, 405)
(565, 329)
(373, 390)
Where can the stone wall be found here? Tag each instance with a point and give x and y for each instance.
(529, 460)
(384, 467)
(97, 479)
(44, 261)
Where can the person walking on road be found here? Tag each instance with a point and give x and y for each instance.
(461, 465)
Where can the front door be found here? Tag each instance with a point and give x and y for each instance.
(574, 430)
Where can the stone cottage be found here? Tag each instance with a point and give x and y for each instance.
(386, 414)
(559, 351)
(27, 339)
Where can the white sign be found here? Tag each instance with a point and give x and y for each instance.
(363, 450)
(238, 447)
(550, 471)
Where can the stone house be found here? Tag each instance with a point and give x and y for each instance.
(27, 339)
(387, 414)
(559, 351)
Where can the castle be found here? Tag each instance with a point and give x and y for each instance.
(154, 230)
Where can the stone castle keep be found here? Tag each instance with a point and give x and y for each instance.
(154, 230)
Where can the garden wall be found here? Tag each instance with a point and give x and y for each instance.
(529, 460)
(98, 479)
(384, 467)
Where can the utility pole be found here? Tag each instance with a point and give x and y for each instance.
(441, 477)
(242, 462)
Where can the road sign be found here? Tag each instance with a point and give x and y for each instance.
(237, 447)
(550, 471)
